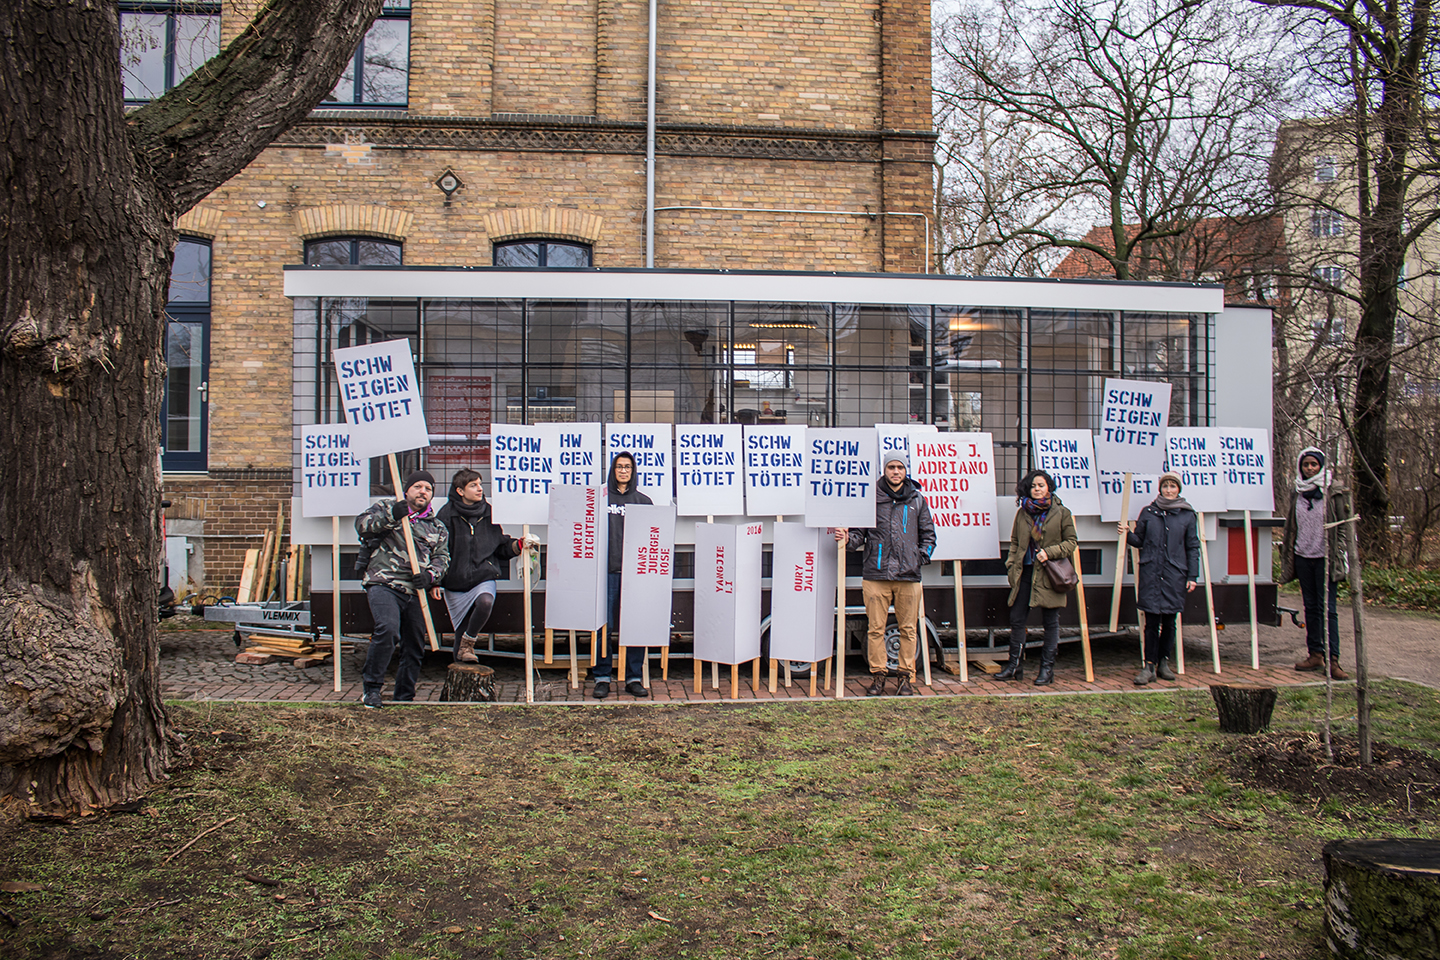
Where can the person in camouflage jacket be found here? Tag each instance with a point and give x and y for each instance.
(393, 592)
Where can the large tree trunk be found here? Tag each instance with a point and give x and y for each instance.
(90, 199)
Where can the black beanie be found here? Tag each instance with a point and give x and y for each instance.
(415, 477)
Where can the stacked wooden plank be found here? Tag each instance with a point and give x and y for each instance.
(260, 581)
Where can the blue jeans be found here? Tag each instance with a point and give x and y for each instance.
(634, 657)
(398, 622)
(1310, 571)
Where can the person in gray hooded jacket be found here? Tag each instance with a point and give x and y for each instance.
(895, 548)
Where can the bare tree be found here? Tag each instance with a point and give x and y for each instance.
(1144, 115)
(90, 200)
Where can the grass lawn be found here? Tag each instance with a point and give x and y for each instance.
(1089, 826)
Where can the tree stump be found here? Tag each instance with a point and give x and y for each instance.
(1382, 898)
(1243, 707)
(468, 683)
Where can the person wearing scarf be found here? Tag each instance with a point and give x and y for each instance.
(392, 591)
(1168, 538)
(1044, 530)
(1316, 503)
(480, 554)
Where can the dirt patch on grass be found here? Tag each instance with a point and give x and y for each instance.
(1405, 780)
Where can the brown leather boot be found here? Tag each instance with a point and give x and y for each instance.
(1313, 662)
(465, 650)
(877, 685)
(1336, 673)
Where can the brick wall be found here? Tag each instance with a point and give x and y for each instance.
(236, 510)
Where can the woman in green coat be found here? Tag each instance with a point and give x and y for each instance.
(1043, 530)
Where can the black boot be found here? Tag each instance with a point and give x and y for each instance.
(1014, 668)
(1046, 674)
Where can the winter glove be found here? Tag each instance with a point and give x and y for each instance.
(421, 581)
(530, 542)
(400, 510)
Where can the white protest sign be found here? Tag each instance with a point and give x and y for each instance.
(649, 444)
(840, 473)
(1194, 453)
(333, 481)
(1069, 457)
(802, 593)
(727, 591)
(1133, 417)
(522, 468)
(577, 460)
(708, 473)
(774, 471)
(956, 473)
(647, 575)
(1144, 487)
(576, 559)
(381, 397)
(1247, 463)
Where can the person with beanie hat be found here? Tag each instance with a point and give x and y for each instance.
(1168, 538)
(393, 592)
(1303, 556)
(895, 548)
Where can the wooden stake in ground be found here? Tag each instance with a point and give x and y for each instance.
(335, 593)
(1362, 656)
(960, 626)
(414, 558)
(921, 647)
(1135, 565)
(1179, 643)
(840, 622)
(1209, 591)
(1084, 620)
(574, 664)
(1254, 615)
(529, 618)
(1120, 557)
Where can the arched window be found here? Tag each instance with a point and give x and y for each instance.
(359, 251)
(183, 423)
(542, 253)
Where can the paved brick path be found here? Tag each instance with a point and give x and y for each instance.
(200, 665)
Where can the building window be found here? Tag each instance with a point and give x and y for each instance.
(356, 251)
(1330, 330)
(162, 42)
(1324, 169)
(379, 73)
(542, 253)
(1326, 223)
(1330, 276)
(185, 411)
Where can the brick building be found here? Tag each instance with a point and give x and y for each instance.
(789, 137)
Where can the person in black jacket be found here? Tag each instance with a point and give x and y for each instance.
(1167, 535)
(620, 492)
(480, 554)
(895, 548)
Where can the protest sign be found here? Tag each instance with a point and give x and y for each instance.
(647, 575)
(1246, 463)
(333, 481)
(710, 479)
(1194, 453)
(840, 471)
(649, 444)
(1069, 457)
(1133, 417)
(522, 467)
(577, 455)
(381, 397)
(802, 593)
(727, 591)
(576, 561)
(774, 471)
(1144, 487)
(956, 473)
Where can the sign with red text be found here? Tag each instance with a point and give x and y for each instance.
(1133, 418)
(1194, 453)
(1069, 457)
(802, 593)
(956, 473)
(522, 469)
(333, 481)
(709, 475)
(575, 559)
(1249, 471)
(381, 397)
(647, 575)
(840, 476)
(727, 591)
(649, 444)
(774, 471)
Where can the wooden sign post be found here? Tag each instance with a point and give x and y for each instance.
(414, 558)
(529, 618)
(1209, 592)
(1084, 621)
(1120, 559)
(839, 621)
(335, 594)
(1250, 581)
(960, 626)
(1245, 460)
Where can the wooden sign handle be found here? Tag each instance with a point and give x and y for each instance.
(335, 604)
(1120, 556)
(414, 558)
(1209, 592)
(1250, 576)
(840, 621)
(1084, 621)
(960, 626)
(529, 619)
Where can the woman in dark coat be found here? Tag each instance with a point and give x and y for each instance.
(480, 554)
(1044, 530)
(1168, 537)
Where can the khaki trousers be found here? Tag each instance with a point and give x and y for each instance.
(879, 596)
